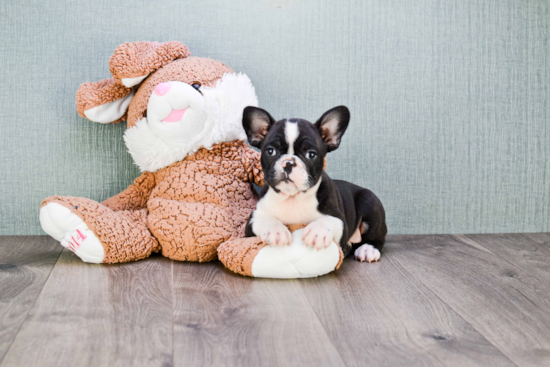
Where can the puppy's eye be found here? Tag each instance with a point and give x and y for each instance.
(311, 155)
(270, 152)
(197, 86)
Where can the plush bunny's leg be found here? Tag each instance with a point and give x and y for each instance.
(238, 254)
(94, 232)
(189, 231)
(69, 229)
(251, 257)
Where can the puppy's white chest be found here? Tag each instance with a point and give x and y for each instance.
(300, 208)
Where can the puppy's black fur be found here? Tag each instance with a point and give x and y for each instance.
(355, 206)
(361, 206)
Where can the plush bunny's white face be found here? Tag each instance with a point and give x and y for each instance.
(176, 112)
(182, 118)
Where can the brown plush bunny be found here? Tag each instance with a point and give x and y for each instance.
(185, 133)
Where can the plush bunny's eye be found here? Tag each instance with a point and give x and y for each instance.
(196, 85)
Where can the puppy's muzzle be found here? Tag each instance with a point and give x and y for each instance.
(288, 165)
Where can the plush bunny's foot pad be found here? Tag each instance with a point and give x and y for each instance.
(69, 229)
(251, 257)
(96, 233)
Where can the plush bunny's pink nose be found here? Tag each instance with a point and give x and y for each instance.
(162, 88)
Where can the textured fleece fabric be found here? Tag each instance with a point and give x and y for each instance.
(165, 62)
(189, 70)
(90, 95)
(186, 210)
(123, 234)
(136, 59)
(238, 254)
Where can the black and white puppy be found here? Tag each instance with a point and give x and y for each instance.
(298, 190)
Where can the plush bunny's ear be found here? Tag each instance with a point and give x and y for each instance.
(133, 62)
(105, 101)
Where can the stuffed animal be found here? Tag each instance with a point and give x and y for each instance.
(254, 258)
(195, 193)
(184, 131)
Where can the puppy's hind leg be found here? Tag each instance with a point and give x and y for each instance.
(372, 226)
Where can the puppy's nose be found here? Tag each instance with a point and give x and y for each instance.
(288, 165)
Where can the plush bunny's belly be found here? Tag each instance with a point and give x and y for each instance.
(199, 204)
(189, 231)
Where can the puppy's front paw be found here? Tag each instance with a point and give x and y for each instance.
(318, 235)
(367, 253)
(276, 235)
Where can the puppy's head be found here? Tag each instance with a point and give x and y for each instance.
(293, 150)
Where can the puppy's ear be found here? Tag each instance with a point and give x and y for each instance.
(332, 126)
(256, 123)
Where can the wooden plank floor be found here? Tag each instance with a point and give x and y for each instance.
(449, 300)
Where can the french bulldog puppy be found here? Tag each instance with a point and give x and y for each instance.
(297, 189)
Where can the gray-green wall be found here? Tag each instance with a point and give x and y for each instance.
(450, 100)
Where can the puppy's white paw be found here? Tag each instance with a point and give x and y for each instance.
(295, 261)
(318, 235)
(69, 229)
(276, 234)
(367, 253)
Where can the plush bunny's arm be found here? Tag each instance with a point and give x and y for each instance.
(252, 165)
(135, 196)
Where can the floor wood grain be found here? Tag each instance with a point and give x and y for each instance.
(504, 303)
(25, 264)
(379, 314)
(99, 315)
(460, 300)
(222, 319)
(529, 252)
